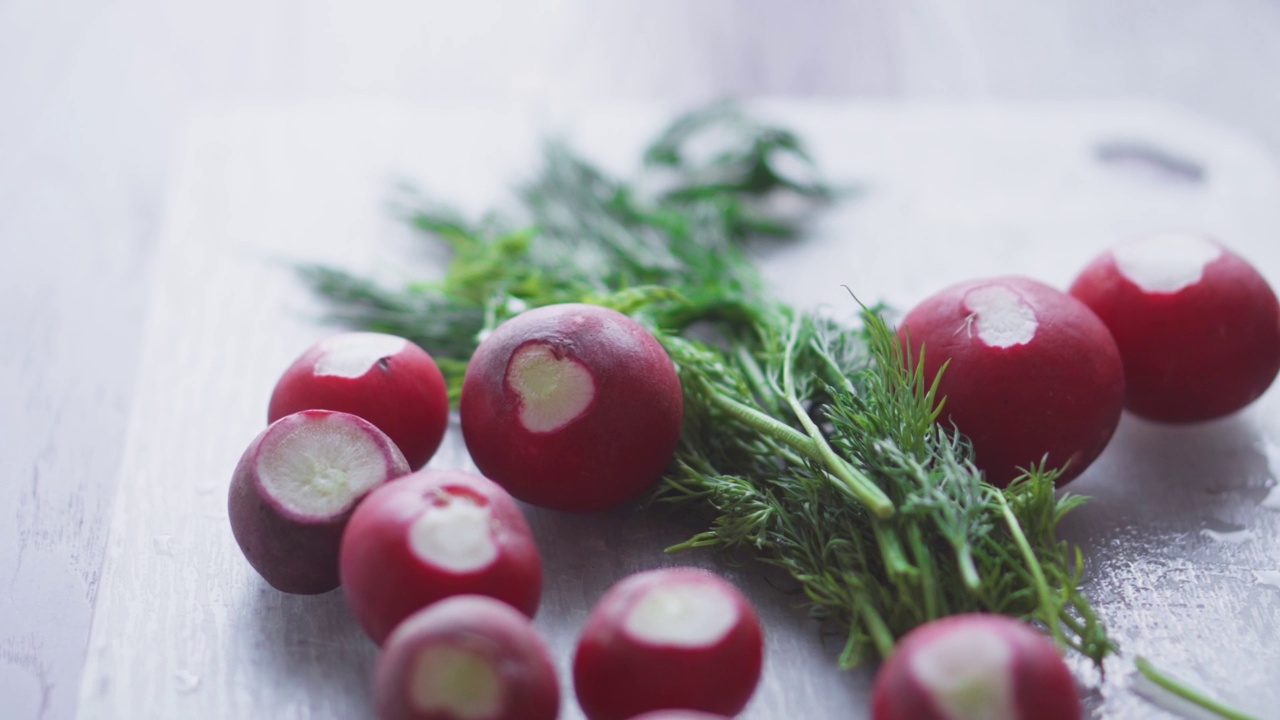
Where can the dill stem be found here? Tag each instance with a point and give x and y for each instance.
(757, 420)
(854, 481)
(756, 380)
(1033, 566)
(968, 571)
(879, 631)
(1195, 697)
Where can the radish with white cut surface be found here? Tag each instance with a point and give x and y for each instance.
(295, 488)
(975, 667)
(384, 379)
(677, 638)
(571, 407)
(1030, 373)
(1198, 327)
(468, 657)
(431, 535)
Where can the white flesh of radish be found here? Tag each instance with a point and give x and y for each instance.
(1165, 263)
(457, 681)
(455, 533)
(968, 675)
(317, 467)
(692, 614)
(553, 391)
(351, 355)
(1000, 316)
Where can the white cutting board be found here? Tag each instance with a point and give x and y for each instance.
(1182, 546)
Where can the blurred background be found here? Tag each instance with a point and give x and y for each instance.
(94, 97)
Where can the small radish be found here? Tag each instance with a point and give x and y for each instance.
(468, 657)
(384, 379)
(1197, 326)
(975, 667)
(431, 535)
(678, 638)
(571, 407)
(1030, 373)
(295, 488)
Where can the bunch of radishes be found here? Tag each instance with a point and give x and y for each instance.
(572, 407)
(1174, 327)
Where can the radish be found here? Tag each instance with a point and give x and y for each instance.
(673, 638)
(975, 667)
(295, 488)
(1031, 373)
(572, 407)
(384, 379)
(1197, 326)
(431, 535)
(468, 657)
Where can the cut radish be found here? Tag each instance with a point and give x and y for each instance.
(1031, 373)
(571, 407)
(975, 667)
(431, 535)
(691, 636)
(295, 488)
(384, 379)
(468, 657)
(1197, 326)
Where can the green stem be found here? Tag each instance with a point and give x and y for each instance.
(855, 482)
(1050, 615)
(757, 420)
(1194, 697)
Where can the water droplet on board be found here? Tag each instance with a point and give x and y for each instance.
(1235, 537)
(1268, 577)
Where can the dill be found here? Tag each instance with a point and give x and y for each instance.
(807, 440)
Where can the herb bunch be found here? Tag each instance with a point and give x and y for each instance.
(808, 440)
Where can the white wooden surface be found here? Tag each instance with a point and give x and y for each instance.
(94, 96)
(1182, 556)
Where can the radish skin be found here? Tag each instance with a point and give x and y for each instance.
(1198, 327)
(975, 667)
(1031, 373)
(691, 636)
(294, 491)
(468, 657)
(571, 407)
(384, 379)
(431, 535)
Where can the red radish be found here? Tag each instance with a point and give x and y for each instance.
(295, 488)
(469, 657)
(975, 667)
(673, 638)
(571, 407)
(1031, 373)
(384, 379)
(1197, 326)
(431, 535)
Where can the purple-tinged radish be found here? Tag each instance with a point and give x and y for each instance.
(1197, 326)
(384, 379)
(571, 407)
(468, 657)
(975, 667)
(295, 488)
(431, 535)
(678, 638)
(1031, 373)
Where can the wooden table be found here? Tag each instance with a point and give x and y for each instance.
(97, 99)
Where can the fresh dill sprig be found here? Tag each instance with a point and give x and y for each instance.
(806, 440)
